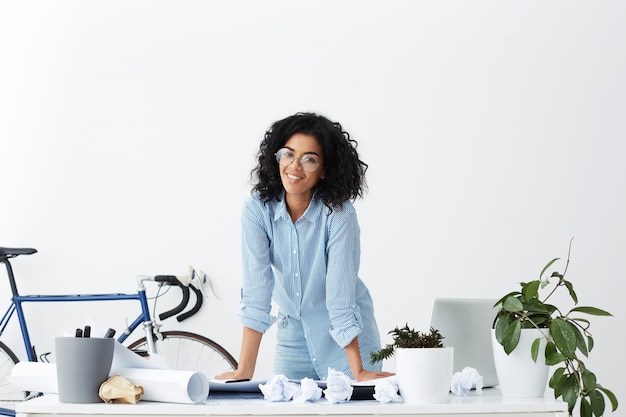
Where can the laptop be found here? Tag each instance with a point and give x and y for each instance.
(465, 324)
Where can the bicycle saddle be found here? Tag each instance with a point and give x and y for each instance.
(16, 251)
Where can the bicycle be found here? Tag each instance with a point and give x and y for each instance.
(181, 349)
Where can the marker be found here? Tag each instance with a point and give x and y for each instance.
(79, 332)
(87, 331)
(110, 333)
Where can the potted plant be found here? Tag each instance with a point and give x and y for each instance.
(423, 365)
(560, 334)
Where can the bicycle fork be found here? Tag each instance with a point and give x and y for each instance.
(150, 327)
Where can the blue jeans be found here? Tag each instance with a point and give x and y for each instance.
(292, 355)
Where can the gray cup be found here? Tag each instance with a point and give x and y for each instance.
(83, 364)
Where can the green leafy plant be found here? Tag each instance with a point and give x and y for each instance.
(568, 338)
(406, 337)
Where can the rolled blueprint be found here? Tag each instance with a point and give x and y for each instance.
(168, 385)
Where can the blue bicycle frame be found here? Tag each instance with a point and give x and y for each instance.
(17, 300)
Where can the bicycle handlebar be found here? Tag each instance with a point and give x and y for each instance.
(195, 308)
(173, 280)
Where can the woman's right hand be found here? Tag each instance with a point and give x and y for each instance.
(226, 375)
(232, 375)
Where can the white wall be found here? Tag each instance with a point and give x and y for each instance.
(494, 133)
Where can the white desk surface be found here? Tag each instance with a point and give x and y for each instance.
(489, 403)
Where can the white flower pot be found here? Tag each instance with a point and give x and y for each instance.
(424, 374)
(519, 376)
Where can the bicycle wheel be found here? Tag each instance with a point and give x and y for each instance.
(190, 352)
(8, 392)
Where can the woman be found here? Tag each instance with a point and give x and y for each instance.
(301, 248)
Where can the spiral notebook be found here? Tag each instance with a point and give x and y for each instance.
(465, 324)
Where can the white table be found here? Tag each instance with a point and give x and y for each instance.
(489, 404)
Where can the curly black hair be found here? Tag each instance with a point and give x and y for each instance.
(345, 172)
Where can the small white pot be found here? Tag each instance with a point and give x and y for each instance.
(519, 376)
(424, 374)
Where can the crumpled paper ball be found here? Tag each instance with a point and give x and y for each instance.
(338, 387)
(279, 388)
(462, 382)
(120, 390)
(309, 391)
(386, 391)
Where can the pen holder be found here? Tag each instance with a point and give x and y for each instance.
(83, 364)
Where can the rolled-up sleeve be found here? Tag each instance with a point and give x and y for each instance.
(343, 254)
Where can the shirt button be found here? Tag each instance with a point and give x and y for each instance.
(314, 359)
(297, 274)
(295, 251)
(297, 294)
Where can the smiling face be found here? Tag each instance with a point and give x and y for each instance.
(298, 183)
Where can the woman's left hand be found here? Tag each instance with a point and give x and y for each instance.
(366, 375)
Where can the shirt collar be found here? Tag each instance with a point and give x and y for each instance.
(312, 213)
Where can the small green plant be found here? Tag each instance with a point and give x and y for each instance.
(568, 339)
(408, 338)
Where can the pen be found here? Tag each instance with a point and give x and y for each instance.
(87, 331)
(110, 333)
(79, 332)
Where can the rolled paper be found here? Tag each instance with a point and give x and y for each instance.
(165, 385)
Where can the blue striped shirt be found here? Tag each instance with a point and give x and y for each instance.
(310, 269)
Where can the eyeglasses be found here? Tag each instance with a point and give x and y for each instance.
(308, 162)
